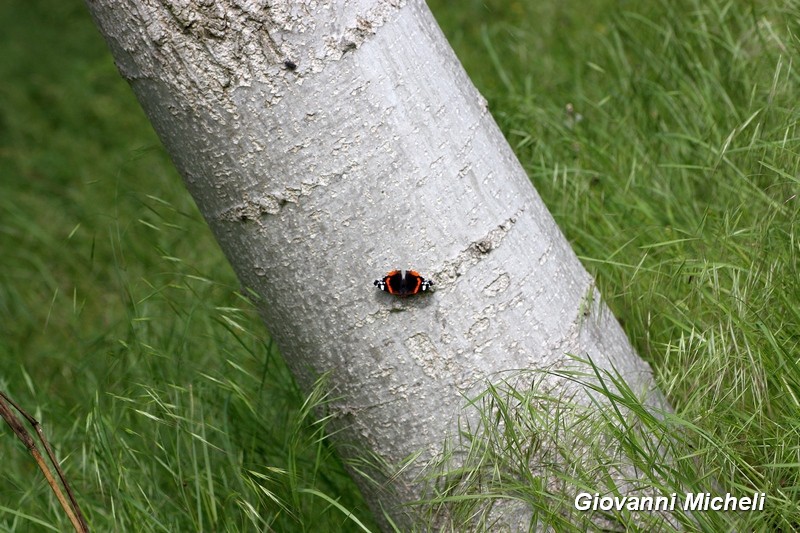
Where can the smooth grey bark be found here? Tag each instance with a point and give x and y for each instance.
(327, 142)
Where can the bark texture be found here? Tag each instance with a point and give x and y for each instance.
(327, 142)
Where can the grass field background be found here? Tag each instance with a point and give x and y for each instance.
(662, 136)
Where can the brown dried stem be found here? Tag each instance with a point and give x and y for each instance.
(70, 507)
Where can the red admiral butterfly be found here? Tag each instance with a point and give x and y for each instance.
(403, 283)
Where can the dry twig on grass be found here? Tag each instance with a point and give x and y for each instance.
(71, 506)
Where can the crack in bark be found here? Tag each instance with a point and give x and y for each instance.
(476, 251)
(364, 26)
(267, 204)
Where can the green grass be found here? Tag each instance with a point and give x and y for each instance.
(662, 136)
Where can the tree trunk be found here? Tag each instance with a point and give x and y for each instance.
(327, 143)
